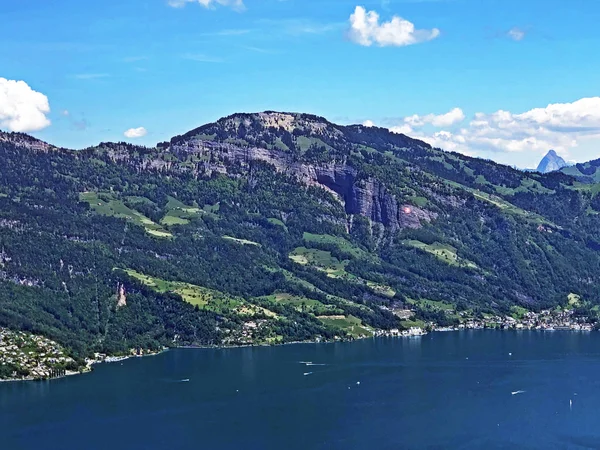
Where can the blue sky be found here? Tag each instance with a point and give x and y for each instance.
(107, 67)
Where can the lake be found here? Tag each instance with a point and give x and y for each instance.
(471, 389)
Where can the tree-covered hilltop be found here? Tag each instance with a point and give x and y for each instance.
(275, 227)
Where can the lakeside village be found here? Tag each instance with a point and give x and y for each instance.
(24, 356)
(546, 320)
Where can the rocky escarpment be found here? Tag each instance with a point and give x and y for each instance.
(282, 140)
(366, 197)
(25, 141)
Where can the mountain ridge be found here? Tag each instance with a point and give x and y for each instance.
(238, 233)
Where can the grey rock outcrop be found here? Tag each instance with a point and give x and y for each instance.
(369, 197)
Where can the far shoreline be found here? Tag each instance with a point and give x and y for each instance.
(114, 359)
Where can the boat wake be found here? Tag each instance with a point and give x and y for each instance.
(517, 392)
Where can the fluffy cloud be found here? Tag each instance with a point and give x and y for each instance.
(442, 120)
(237, 5)
(411, 125)
(516, 34)
(561, 126)
(402, 129)
(134, 133)
(366, 30)
(21, 108)
(368, 123)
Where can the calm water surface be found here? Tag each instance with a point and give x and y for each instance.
(444, 390)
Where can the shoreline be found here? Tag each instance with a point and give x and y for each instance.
(114, 359)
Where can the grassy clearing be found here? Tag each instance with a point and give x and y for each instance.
(431, 304)
(413, 323)
(333, 298)
(278, 222)
(323, 261)
(504, 205)
(178, 213)
(212, 209)
(139, 200)
(574, 300)
(105, 204)
(159, 233)
(334, 268)
(191, 293)
(173, 203)
(169, 220)
(510, 208)
(350, 324)
(279, 144)
(443, 252)
(518, 312)
(594, 189)
(204, 298)
(381, 289)
(304, 143)
(527, 185)
(317, 258)
(343, 244)
(304, 304)
(241, 241)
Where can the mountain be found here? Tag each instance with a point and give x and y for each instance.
(551, 162)
(279, 227)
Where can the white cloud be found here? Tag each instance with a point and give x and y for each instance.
(402, 129)
(516, 34)
(563, 127)
(237, 5)
(366, 30)
(368, 123)
(21, 108)
(134, 133)
(443, 120)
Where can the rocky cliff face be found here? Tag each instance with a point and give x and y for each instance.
(369, 197)
(242, 139)
(25, 141)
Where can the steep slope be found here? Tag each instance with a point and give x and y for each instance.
(277, 227)
(584, 172)
(551, 163)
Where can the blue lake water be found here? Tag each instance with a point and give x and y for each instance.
(443, 390)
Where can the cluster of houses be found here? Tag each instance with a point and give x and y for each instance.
(247, 335)
(395, 332)
(104, 358)
(27, 356)
(555, 319)
(544, 320)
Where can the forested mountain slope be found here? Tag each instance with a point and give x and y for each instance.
(276, 227)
